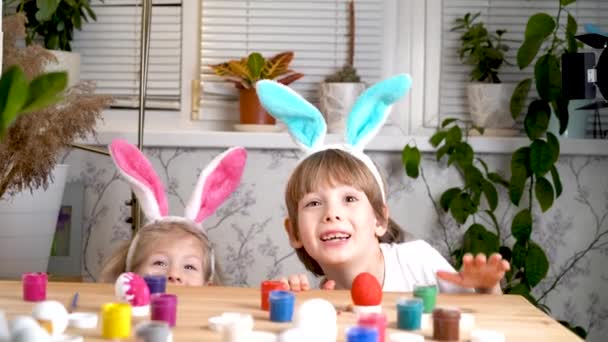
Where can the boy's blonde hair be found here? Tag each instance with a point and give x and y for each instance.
(147, 237)
(333, 167)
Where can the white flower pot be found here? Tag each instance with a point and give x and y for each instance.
(489, 104)
(27, 227)
(66, 61)
(336, 101)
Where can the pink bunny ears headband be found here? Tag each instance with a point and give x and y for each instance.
(307, 126)
(216, 182)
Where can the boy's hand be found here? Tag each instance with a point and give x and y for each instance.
(479, 273)
(299, 282)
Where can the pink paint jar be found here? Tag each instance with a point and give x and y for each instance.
(164, 308)
(34, 286)
(374, 320)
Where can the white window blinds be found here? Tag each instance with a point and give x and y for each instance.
(512, 16)
(110, 52)
(316, 30)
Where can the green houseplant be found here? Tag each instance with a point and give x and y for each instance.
(245, 72)
(533, 167)
(484, 51)
(55, 20)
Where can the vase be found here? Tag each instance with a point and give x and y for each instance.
(68, 62)
(251, 111)
(489, 105)
(336, 101)
(28, 221)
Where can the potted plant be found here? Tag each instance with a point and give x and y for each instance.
(31, 180)
(339, 91)
(245, 72)
(488, 98)
(53, 22)
(545, 32)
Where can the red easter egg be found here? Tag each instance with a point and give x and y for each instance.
(366, 290)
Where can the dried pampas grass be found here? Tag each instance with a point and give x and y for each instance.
(31, 145)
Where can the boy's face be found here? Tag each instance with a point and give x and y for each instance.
(336, 225)
(179, 259)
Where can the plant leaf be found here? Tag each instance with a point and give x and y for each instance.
(544, 193)
(491, 194)
(411, 160)
(461, 207)
(45, 90)
(46, 9)
(519, 253)
(565, 3)
(477, 239)
(255, 63)
(520, 171)
(496, 178)
(541, 157)
(571, 28)
(557, 183)
(536, 264)
(447, 122)
(13, 94)
(462, 154)
(277, 65)
(519, 97)
(553, 144)
(521, 227)
(447, 197)
(537, 119)
(453, 135)
(548, 77)
(560, 107)
(539, 27)
(437, 138)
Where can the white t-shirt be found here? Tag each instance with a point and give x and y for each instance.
(415, 262)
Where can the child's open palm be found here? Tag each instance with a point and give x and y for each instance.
(478, 272)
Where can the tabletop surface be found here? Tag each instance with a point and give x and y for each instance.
(511, 314)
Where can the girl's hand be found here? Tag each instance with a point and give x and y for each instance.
(479, 273)
(299, 282)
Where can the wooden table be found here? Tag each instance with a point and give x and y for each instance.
(513, 315)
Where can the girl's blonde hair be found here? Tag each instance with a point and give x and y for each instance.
(147, 237)
(333, 167)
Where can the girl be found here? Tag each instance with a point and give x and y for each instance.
(176, 247)
(338, 218)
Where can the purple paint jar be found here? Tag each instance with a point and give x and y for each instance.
(34, 286)
(164, 308)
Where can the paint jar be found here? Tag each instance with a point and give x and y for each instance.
(409, 314)
(156, 283)
(265, 288)
(34, 286)
(116, 320)
(281, 305)
(374, 320)
(361, 334)
(428, 294)
(446, 324)
(164, 308)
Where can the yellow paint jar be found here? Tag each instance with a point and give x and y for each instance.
(116, 320)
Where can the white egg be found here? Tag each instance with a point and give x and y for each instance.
(52, 313)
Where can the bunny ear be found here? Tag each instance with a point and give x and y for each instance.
(145, 183)
(372, 108)
(216, 182)
(305, 123)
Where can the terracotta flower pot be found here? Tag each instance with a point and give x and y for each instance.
(252, 112)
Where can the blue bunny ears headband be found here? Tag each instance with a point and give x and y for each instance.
(307, 126)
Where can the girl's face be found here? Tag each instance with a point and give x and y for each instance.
(337, 225)
(179, 259)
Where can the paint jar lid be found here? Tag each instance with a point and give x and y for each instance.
(34, 277)
(407, 304)
(446, 313)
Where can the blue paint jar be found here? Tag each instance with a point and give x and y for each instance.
(156, 283)
(281, 305)
(409, 313)
(362, 334)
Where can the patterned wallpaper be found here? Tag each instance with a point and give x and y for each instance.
(248, 234)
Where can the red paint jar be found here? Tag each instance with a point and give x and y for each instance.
(266, 287)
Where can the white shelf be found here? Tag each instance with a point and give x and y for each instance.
(281, 140)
